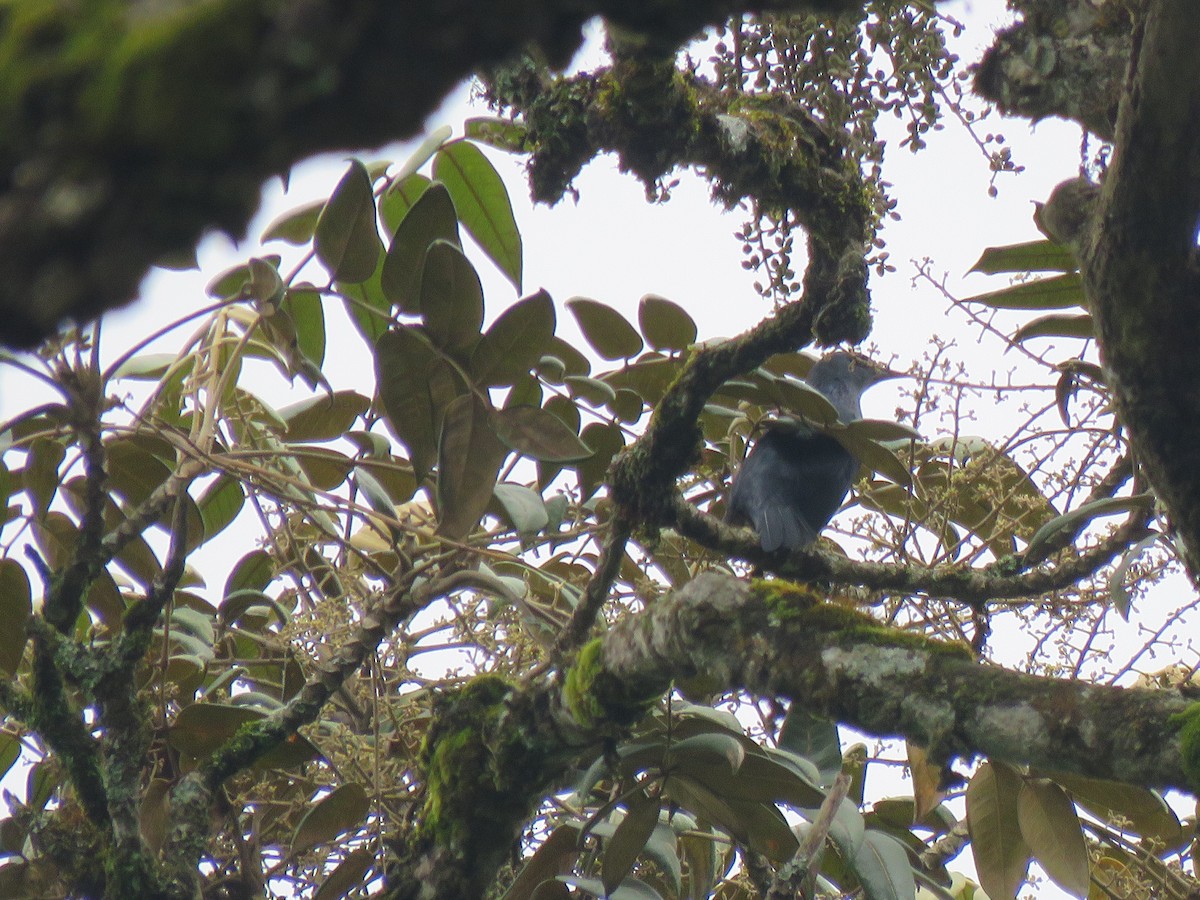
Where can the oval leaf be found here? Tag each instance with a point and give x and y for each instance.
(16, 605)
(666, 325)
(350, 873)
(539, 434)
(1001, 854)
(323, 417)
(346, 239)
(432, 218)
(451, 299)
(341, 810)
(608, 332)
(414, 385)
(295, 226)
(1051, 828)
(882, 867)
(469, 459)
(523, 507)
(483, 205)
(515, 341)
(628, 840)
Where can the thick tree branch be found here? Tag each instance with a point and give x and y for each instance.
(1139, 266)
(123, 142)
(495, 748)
(1062, 59)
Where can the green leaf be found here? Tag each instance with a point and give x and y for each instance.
(556, 854)
(628, 406)
(813, 737)
(41, 473)
(539, 434)
(523, 507)
(705, 748)
(399, 198)
(987, 490)
(202, 728)
(758, 825)
(663, 850)
(628, 840)
(254, 571)
(882, 430)
(349, 874)
(503, 134)
(605, 329)
(1059, 292)
(342, 809)
(1118, 591)
(303, 304)
(346, 239)
(515, 342)
(872, 454)
(296, 226)
(424, 151)
(368, 305)
(415, 384)
(1057, 325)
(1080, 516)
(883, 869)
(220, 504)
(1052, 830)
(1033, 256)
(606, 440)
(649, 377)
(800, 399)
(323, 417)
(592, 390)
(1001, 854)
(16, 605)
(451, 299)
(570, 360)
(482, 202)
(666, 325)
(265, 285)
(469, 459)
(432, 218)
(1147, 811)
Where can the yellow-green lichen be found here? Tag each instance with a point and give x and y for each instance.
(1188, 723)
(459, 769)
(593, 695)
(800, 607)
(577, 691)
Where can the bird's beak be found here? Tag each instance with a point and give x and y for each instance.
(883, 373)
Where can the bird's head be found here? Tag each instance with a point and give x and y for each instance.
(842, 377)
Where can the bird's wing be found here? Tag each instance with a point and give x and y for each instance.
(789, 487)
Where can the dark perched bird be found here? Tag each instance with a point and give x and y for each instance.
(795, 478)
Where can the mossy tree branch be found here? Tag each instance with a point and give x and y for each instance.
(123, 140)
(772, 639)
(1138, 258)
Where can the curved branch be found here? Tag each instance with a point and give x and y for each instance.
(123, 144)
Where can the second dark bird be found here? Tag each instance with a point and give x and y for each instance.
(795, 478)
